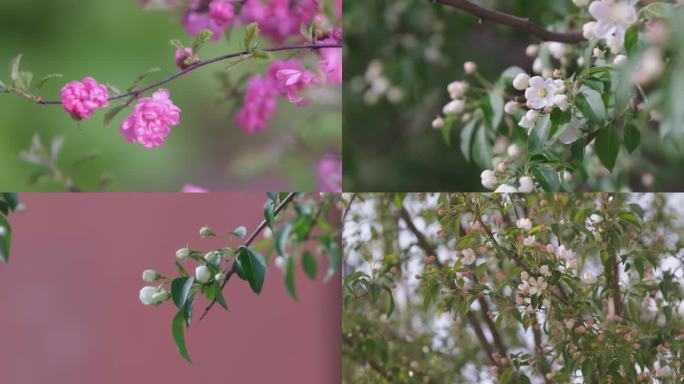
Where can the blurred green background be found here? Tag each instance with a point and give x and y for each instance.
(389, 144)
(115, 41)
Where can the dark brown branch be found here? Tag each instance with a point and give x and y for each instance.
(246, 54)
(513, 21)
(498, 341)
(233, 268)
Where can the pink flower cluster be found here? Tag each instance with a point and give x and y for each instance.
(284, 78)
(215, 15)
(81, 99)
(150, 121)
(182, 58)
(279, 19)
(331, 58)
(330, 174)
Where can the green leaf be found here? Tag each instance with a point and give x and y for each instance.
(251, 33)
(496, 103)
(218, 295)
(187, 309)
(591, 105)
(12, 199)
(539, 133)
(290, 277)
(268, 213)
(547, 177)
(482, 148)
(390, 308)
(47, 78)
(309, 264)
(281, 238)
(181, 269)
(201, 39)
(178, 336)
(608, 146)
(111, 114)
(239, 232)
(631, 39)
(5, 239)
(253, 268)
(15, 65)
(632, 137)
(467, 134)
(261, 56)
(180, 289)
(657, 10)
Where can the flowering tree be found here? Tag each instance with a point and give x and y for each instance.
(311, 228)
(513, 288)
(306, 30)
(9, 202)
(570, 95)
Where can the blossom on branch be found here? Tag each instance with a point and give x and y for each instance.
(150, 122)
(81, 99)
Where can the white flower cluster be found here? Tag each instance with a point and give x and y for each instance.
(613, 18)
(532, 286)
(490, 180)
(378, 85)
(457, 92)
(468, 256)
(542, 95)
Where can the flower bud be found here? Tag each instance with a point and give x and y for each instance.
(521, 82)
(206, 232)
(183, 253)
(150, 275)
(526, 184)
(160, 297)
(513, 150)
(202, 274)
(438, 123)
(147, 293)
(511, 107)
(280, 262)
(219, 277)
(532, 50)
(562, 102)
(620, 60)
(213, 257)
(469, 67)
(454, 107)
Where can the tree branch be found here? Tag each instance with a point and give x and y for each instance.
(513, 21)
(245, 54)
(233, 268)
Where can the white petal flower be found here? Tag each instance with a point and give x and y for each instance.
(560, 86)
(546, 303)
(513, 150)
(146, 294)
(521, 82)
(537, 286)
(524, 288)
(503, 188)
(664, 372)
(489, 179)
(213, 257)
(457, 88)
(544, 270)
(511, 107)
(538, 65)
(468, 256)
(620, 60)
(557, 50)
(540, 93)
(526, 184)
(524, 223)
(160, 296)
(571, 132)
(563, 253)
(588, 278)
(530, 241)
(454, 107)
(529, 119)
(613, 17)
(589, 30)
(524, 276)
(469, 67)
(202, 274)
(562, 102)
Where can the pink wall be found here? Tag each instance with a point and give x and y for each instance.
(69, 308)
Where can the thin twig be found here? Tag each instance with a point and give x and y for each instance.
(137, 92)
(233, 268)
(513, 21)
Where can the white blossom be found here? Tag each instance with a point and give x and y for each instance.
(532, 50)
(521, 82)
(588, 278)
(280, 262)
(454, 107)
(537, 286)
(524, 287)
(546, 303)
(530, 241)
(182, 253)
(219, 277)
(529, 119)
(489, 179)
(563, 253)
(524, 276)
(557, 50)
(468, 256)
(562, 102)
(526, 184)
(524, 223)
(664, 372)
(469, 67)
(504, 188)
(613, 18)
(202, 274)
(651, 67)
(513, 150)
(150, 295)
(511, 107)
(213, 257)
(150, 275)
(457, 89)
(538, 65)
(620, 60)
(540, 93)
(589, 30)
(438, 123)
(544, 270)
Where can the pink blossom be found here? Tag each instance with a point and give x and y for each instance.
(182, 56)
(216, 17)
(291, 82)
(331, 62)
(330, 174)
(81, 99)
(259, 104)
(189, 188)
(279, 19)
(150, 121)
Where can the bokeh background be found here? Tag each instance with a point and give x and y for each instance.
(71, 313)
(389, 144)
(115, 41)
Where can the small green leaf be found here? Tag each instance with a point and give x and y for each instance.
(539, 133)
(181, 269)
(253, 268)
(187, 309)
(390, 308)
(47, 78)
(268, 213)
(632, 137)
(309, 265)
(180, 289)
(631, 39)
(16, 64)
(547, 177)
(239, 232)
(290, 277)
(111, 114)
(251, 33)
(202, 38)
(178, 336)
(5, 239)
(482, 148)
(467, 134)
(591, 105)
(281, 238)
(218, 295)
(608, 146)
